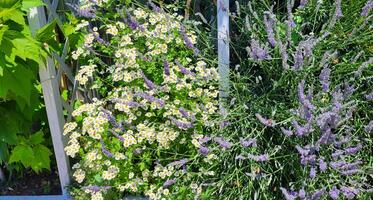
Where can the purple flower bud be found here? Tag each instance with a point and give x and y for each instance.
(368, 128)
(365, 10)
(303, 152)
(353, 150)
(284, 55)
(178, 163)
(299, 59)
(334, 193)
(323, 166)
(204, 139)
(166, 68)
(222, 142)
(287, 132)
(150, 98)
(349, 192)
(337, 154)
(302, 98)
(267, 122)
(240, 157)
(303, 3)
(87, 11)
(286, 194)
(184, 70)
(155, 8)
(148, 82)
(269, 23)
(181, 125)
(259, 158)
(95, 188)
(183, 112)
(248, 142)
(369, 96)
(169, 182)
(257, 52)
(324, 79)
(318, 194)
(187, 41)
(312, 173)
(337, 164)
(338, 9)
(350, 172)
(302, 193)
(204, 150)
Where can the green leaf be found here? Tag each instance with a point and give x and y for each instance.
(9, 126)
(47, 35)
(7, 3)
(98, 178)
(13, 14)
(3, 28)
(23, 154)
(42, 160)
(27, 4)
(4, 152)
(18, 81)
(36, 138)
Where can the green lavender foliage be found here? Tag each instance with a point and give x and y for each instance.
(265, 87)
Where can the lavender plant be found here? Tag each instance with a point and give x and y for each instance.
(156, 96)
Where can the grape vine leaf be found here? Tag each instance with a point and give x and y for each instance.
(42, 160)
(36, 138)
(23, 154)
(17, 80)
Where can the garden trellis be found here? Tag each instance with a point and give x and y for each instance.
(59, 111)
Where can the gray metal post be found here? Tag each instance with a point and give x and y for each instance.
(52, 99)
(223, 46)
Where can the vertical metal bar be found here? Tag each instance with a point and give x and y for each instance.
(223, 46)
(53, 104)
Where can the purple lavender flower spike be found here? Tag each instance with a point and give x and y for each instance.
(240, 157)
(349, 192)
(269, 23)
(204, 139)
(204, 150)
(284, 55)
(369, 96)
(302, 98)
(148, 82)
(224, 124)
(267, 122)
(324, 79)
(166, 68)
(187, 41)
(312, 173)
(248, 142)
(302, 193)
(169, 182)
(323, 166)
(303, 3)
(108, 115)
(338, 9)
(183, 70)
(183, 112)
(337, 164)
(88, 12)
(286, 194)
(259, 158)
(302, 151)
(179, 163)
(257, 52)
(155, 8)
(368, 128)
(181, 125)
(334, 193)
(337, 154)
(318, 194)
(299, 59)
(350, 172)
(287, 132)
(365, 10)
(96, 188)
(353, 150)
(222, 142)
(150, 98)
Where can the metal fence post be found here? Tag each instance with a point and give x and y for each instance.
(53, 102)
(223, 46)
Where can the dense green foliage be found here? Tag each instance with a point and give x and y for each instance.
(22, 112)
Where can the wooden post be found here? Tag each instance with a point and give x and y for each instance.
(53, 104)
(223, 47)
